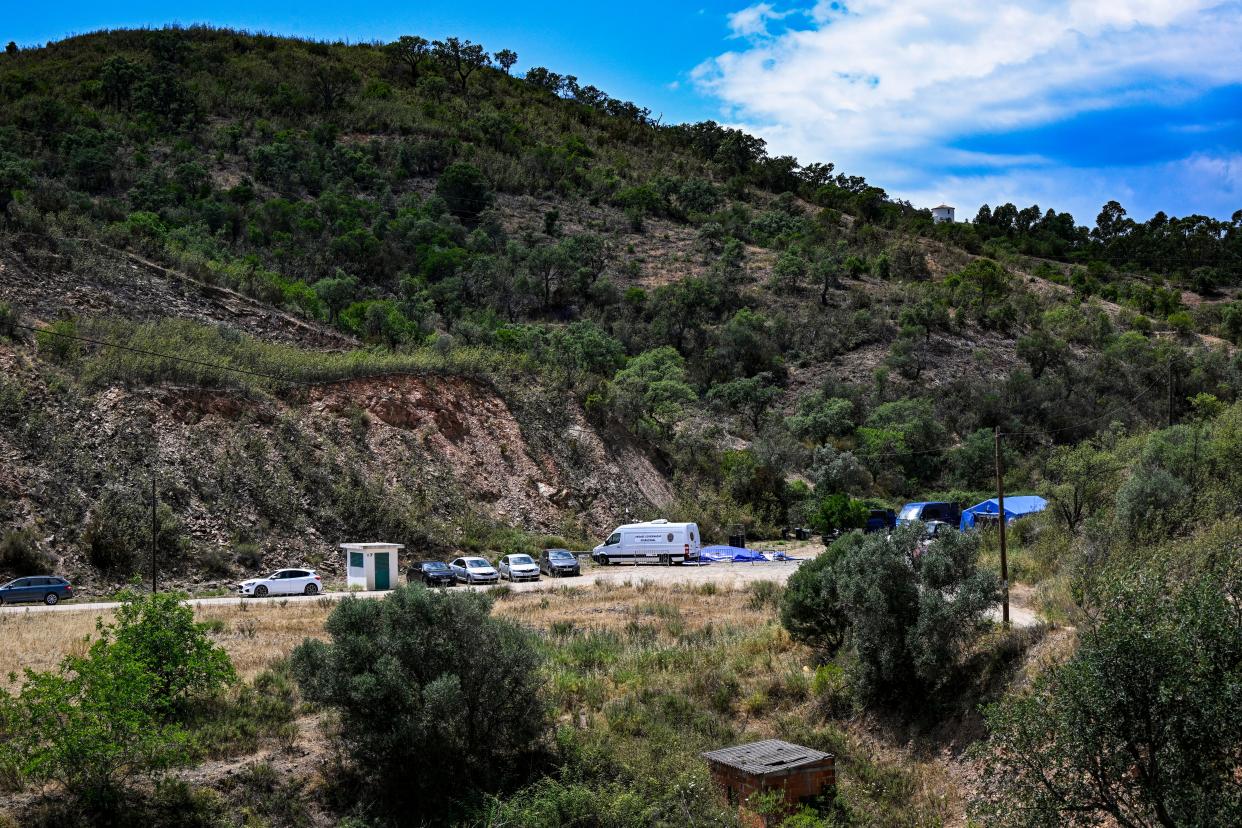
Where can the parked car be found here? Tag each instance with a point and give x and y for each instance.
(930, 510)
(880, 520)
(519, 568)
(474, 571)
(49, 589)
(431, 573)
(559, 563)
(283, 582)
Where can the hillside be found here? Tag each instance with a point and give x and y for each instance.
(477, 308)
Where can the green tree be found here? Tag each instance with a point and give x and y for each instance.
(410, 51)
(506, 58)
(650, 393)
(811, 608)
(101, 720)
(1079, 481)
(838, 512)
(820, 418)
(584, 350)
(465, 190)
(1140, 726)
(336, 293)
(461, 57)
(749, 398)
(1042, 351)
(437, 698)
(908, 614)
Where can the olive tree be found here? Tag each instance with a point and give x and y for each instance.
(436, 697)
(907, 613)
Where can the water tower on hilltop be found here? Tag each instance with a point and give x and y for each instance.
(942, 213)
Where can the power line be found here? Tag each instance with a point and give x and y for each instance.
(215, 366)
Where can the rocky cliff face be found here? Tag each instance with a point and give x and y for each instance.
(439, 462)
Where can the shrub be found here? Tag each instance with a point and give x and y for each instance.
(19, 552)
(465, 190)
(1140, 725)
(436, 697)
(8, 321)
(908, 614)
(99, 721)
(119, 529)
(57, 342)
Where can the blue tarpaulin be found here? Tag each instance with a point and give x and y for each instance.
(1015, 507)
(727, 554)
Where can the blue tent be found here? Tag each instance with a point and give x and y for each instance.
(730, 554)
(1015, 507)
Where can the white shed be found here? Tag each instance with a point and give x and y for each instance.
(942, 213)
(371, 566)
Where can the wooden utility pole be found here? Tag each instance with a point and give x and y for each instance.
(1000, 504)
(154, 530)
(1170, 393)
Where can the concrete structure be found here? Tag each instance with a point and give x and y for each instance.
(801, 773)
(942, 213)
(371, 566)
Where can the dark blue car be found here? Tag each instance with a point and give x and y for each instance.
(46, 588)
(880, 520)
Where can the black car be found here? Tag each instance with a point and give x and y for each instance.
(559, 562)
(431, 573)
(46, 588)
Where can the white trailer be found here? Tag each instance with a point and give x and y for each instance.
(656, 541)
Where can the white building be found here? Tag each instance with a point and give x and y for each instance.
(942, 213)
(371, 566)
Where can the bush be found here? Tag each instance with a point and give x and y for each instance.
(118, 530)
(907, 614)
(465, 190)
(101, 720)
(437, 699)
(19, 552)
(57, 342)
(1141, 725)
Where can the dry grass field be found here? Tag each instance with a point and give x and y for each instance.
(257, 634)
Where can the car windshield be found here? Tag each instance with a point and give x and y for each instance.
(435, 565)
(521, 559)
(909, 513)
(560, 555)
(476, 562)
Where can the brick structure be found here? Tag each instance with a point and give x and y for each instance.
(803, 774)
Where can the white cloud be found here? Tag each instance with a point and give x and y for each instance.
(753, 21)
(886, 86)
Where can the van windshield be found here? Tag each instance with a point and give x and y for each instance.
(911, 512)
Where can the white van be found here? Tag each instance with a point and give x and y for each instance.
(656, 541)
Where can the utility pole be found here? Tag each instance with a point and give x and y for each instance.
(1000, 503)
(154, 530)
(1170, 393)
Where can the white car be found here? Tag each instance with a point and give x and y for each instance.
(474, 571)
(519, 568)
(284, 582)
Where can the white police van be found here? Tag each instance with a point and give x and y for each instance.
(656, 541)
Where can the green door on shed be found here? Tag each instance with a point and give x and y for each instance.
(381, 571)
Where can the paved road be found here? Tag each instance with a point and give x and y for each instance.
(725, 576)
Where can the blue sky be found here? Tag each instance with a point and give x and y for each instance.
(1064, 103)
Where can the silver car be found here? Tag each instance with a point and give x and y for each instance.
(474, 571)
(519, 568)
